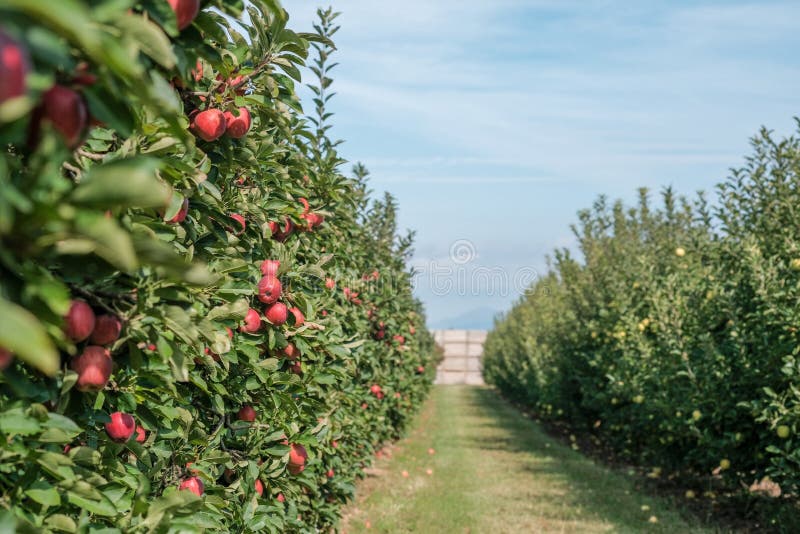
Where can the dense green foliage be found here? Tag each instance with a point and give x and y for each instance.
(675, 339)
(98, 216)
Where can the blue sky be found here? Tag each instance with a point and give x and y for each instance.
(494, 122)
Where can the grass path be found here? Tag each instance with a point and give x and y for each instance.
(494, 471)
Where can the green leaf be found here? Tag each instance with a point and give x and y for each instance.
(128, 182)
(233, 310)
(61, 522)
(23, 334)
(101, 506)
(15, 422)
(108, 239)
(149, 38)
(44, 493)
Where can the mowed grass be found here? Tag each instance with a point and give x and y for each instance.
(495, 471)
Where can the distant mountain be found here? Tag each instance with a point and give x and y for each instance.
(477, 319)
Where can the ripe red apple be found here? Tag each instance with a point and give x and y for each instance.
(304, 202)
(141, 434)
(400, 339)
(252, 322)
(94, 367)
(277, 313)
(247, 414)
(14, 67)
(121, 427)
(330, 283)
(291, 351)
(270, 267)
(6, 357)
(299, 318)
(67, 110)
(238, 126)
(420, 369)
(380, 334)
(269, 289)
(193, 484)
(281, 498)
(313, 220)
(197, 71)
(364, 405)
(297, 459)
(106, 330)
(335, 444)
(209, 125)
(185, 11)
(259, 488)
(239, 219)
(330, 473)
(79, 321)
(375, 389)
(296, 368)
(229, 331)
(412, 330)
(182, 213)
(280, 234)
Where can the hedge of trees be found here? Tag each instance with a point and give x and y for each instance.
(673, 338)
(204, 324)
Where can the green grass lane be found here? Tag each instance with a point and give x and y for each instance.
(492, 470)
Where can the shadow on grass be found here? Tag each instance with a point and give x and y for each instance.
(570, 486)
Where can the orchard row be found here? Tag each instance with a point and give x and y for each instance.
(673, 339)
(192, 334)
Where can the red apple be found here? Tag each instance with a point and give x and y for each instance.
(380, 334)
(277, 313)
(269, 289)
(280, 234)
(185, 11)
(209, 125)
(297, 459)
(141, 434)
(193, 484)
(270, 267)
(94, 367)
(281, 498)
(14, 67)
(375, 389)
(291, 351)
(299, 318)
(239, 219)
(6, 357)
(67, 110)
(330, 283)
(412, 330)
(238, 126)
(197, 71)
(259, 488)
(182, 213)
(335, 444)
(229, 331)
(420, 369)
(252, 322)
(247, 414)
(330, 473)
(79, 321)
(304, 202)
(106, 330)
(296, 368)
(121, 427)
(400, 339)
